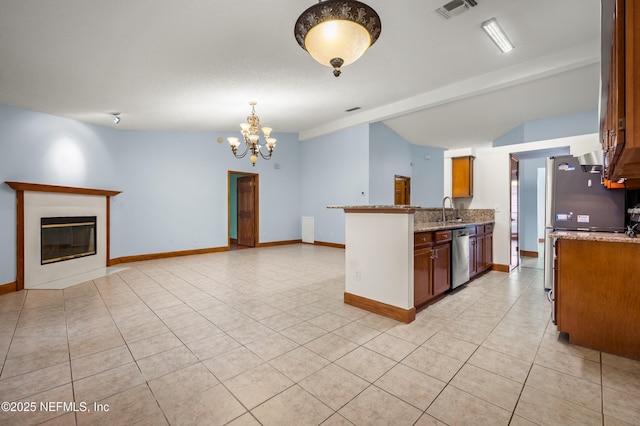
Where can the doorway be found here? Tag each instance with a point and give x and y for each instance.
(402, 191)
(514, 250)
(243, 229)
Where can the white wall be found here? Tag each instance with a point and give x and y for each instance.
(379, 257)
(492, 177)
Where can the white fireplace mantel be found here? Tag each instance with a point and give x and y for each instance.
(35, 201)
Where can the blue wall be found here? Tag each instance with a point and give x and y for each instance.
(335, 171)
(579, 123)
(528, 181)
(427, 179)
(174, 183)
(390, 155)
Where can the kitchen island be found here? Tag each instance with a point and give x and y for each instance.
(380, 246)
(597, 291)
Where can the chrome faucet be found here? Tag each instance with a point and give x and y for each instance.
(444, 200)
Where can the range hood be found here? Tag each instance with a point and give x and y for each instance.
(591, 162)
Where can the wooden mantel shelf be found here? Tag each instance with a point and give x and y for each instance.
(23, 186)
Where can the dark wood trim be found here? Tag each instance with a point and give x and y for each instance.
(528, 253)
(37, 187)
(19, 240)
(278, 243)
(8, 288)
(500, 268)
(165, 255)
(389, 311)
(541, 240)
(326, 244)
(380, 210)
(108, 230)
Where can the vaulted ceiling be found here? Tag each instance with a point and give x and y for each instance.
(195, 65)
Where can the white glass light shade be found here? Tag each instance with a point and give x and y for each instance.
(245, 126)
(271, 142)
(342, 39)
(267, 131)
(253, 138)
(233, 141)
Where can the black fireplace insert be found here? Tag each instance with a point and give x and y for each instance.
(65, 238)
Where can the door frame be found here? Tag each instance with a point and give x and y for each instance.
(256, 205)
(514, 159)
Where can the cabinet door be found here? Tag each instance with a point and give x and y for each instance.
(422, 272)
(441, 268)
(480, 266)
(488, 250)
(473, 269)
(462, 177)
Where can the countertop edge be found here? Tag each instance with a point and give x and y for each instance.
(608, 237)
(437, 226)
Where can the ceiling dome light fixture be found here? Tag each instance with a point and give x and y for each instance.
(337, 32)
(251, 135)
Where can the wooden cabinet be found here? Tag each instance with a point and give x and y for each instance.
(431, 265)
(596, 295)
(480, 249)
(621, 127)
(462, 177)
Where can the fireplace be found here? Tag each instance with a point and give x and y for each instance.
(84, 244)
(66, 238)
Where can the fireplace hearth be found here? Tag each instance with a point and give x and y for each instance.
(66, 238)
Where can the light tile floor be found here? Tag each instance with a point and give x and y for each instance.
(262, 337)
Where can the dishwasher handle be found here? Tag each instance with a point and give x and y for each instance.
(460, 233)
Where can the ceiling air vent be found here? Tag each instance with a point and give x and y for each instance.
(455, 7)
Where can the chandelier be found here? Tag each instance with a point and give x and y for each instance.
(337, 32)
(251, 135)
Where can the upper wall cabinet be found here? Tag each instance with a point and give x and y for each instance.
(462, 177)
(621, 127)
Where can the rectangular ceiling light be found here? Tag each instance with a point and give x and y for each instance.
(496, 34)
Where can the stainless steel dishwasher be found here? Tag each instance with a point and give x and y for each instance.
(459, 257)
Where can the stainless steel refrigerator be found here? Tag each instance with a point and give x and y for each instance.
(575, 200)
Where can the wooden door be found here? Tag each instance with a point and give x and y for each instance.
(514, 214)
(441, 268)
(247, 211)
(402, 191)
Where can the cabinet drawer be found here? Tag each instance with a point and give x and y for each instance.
(488, 229)
(422, 238)
(480, 230)
(442, 236)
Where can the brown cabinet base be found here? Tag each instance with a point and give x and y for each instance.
(431, 266)
(598, 295)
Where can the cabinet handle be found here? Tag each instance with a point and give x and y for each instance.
(424, 238)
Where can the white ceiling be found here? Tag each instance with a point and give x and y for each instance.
(195, 65)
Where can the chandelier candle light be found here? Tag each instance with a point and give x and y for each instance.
(251, 134)
(337, 32)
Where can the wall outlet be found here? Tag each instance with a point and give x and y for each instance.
(357, 275)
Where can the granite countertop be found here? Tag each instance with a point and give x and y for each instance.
(439, 226)
(609, 237)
